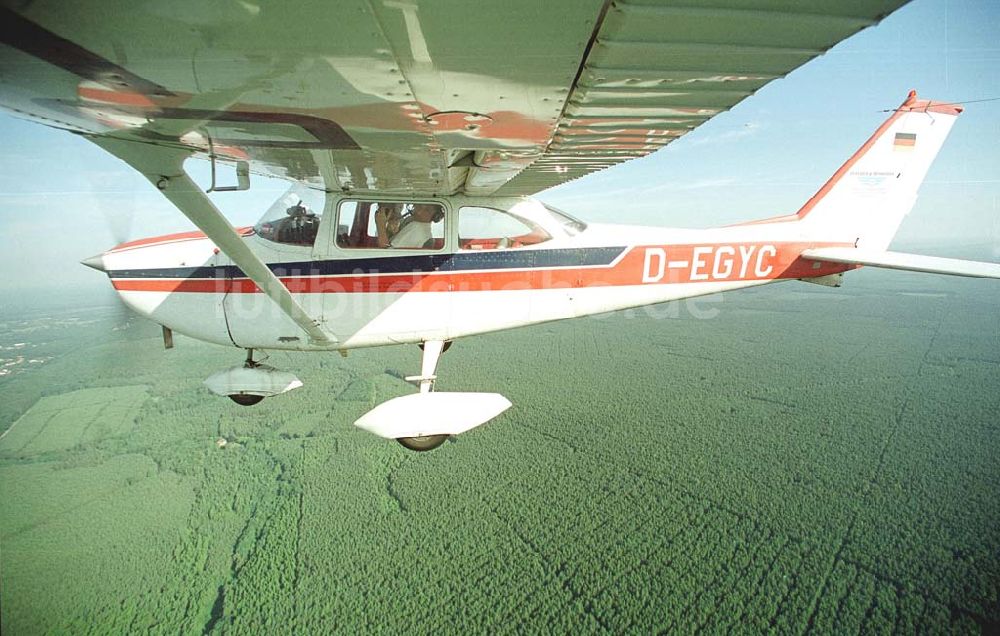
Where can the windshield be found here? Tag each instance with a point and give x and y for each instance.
(571, 224)
(547, 216)
(294, 218)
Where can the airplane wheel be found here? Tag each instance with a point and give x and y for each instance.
(422, 443)
(245, 399)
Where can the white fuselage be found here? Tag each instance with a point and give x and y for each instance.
(378, 297)
(466, 282)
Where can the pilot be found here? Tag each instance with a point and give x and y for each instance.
(414, 232)
(297, 211)
(387, 222)
(300, 226)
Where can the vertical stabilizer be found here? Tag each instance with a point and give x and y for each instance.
(866, 199)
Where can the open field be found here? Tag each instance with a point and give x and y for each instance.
(69, 420)
(808, 460)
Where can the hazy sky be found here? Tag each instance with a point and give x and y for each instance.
(64, 199)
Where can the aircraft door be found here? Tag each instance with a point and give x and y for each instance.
(290, 239)
(383, 274)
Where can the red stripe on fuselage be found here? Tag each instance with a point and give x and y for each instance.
(172, 238)
(646, 265)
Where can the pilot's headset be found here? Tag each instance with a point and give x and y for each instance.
(438, 215)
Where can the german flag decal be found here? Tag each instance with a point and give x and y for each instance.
(904, 141)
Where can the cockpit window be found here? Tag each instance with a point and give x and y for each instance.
(390, 225)
(293, 219)
(491, 229)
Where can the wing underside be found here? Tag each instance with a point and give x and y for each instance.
(399, 96)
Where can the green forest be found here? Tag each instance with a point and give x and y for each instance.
(792, 459)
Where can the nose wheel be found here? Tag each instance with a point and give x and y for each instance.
(247, 399)
(250, 383)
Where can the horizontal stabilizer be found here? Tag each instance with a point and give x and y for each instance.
(903, 261)
(435, 413)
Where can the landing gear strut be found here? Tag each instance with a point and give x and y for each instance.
(432, 352)
(424, 420)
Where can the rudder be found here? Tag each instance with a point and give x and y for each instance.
(866, 199)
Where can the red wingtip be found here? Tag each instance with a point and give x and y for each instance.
(911, 96)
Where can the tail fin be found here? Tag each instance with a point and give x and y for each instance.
(866, 199)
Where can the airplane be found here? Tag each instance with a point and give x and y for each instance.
(413, 135)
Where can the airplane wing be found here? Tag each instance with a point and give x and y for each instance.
(396, 96)
(406, 96)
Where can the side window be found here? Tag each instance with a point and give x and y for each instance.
(390, 225)
(490, 229)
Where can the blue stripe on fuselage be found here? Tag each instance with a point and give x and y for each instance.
(418, 263)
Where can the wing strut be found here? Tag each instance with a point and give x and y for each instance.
(164, 167)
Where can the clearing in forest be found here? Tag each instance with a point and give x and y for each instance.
(60, 422)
